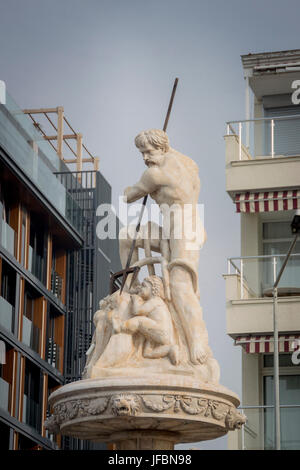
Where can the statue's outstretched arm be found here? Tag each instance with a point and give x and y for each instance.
(149, 182)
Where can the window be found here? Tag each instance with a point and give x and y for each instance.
(289, 390)
(32, 397)
(52, 386)
(7, 296)
(58, 271)
(55, 338)
(8, 223)
(37, 254)
(277, 238)
(6, 379)
(32, 319)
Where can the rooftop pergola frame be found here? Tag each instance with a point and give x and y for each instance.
(58, 123)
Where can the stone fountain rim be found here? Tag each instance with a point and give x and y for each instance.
(152, 383)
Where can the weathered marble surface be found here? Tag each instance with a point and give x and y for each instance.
(98, 408)
(150, 367)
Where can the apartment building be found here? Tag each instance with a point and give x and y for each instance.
(53, 268)
(263, 181)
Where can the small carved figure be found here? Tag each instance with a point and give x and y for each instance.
(153, 320)
(115, 305)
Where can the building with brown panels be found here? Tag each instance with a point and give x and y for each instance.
(53, 269)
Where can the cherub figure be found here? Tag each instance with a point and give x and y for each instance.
(152, 319)
(115, 305)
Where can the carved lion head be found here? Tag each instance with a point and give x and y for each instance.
(125, 405)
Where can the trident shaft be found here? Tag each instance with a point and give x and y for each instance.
(134, 269)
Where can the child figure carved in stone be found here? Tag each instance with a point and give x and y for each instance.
(153, 320)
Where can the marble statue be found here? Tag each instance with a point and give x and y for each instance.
(168, 326)
(150, 378)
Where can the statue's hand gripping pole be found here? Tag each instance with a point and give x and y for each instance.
(135, 269)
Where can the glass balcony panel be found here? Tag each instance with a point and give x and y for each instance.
(31, 335)
(30, 258)
(6, 314)
(267, 137)
(8, 237)
(4, 394)
(26, 331)
(258, 274)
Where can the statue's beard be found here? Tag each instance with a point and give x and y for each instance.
(152, 163)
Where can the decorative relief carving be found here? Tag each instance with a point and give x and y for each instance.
(125, 405)
(191, 405)
(131, 404)
(234, 419)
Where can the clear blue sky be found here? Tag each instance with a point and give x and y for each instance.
(112, 63)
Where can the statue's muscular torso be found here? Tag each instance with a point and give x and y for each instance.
(175, 168)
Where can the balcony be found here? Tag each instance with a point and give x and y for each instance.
(262, 154)
(249, 302)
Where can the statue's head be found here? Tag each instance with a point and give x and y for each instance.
(152, 286)
(153, 144)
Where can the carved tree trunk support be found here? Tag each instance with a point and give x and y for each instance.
(145, 440)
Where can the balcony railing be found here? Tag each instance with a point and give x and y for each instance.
(56, 284)
(257, 275)
(258, 432)
(53, 354)
(31, 334)
(264, 137)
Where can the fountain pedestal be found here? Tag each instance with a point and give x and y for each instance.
(152, 412)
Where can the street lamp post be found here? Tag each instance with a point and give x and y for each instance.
(295, 225)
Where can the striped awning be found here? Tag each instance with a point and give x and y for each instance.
(269, 201)
(265, 344)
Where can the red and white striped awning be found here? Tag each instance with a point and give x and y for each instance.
(269, 201)
(265, 344)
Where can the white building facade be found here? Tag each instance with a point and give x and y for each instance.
(263, 181)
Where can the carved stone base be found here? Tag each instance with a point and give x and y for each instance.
(166, 410)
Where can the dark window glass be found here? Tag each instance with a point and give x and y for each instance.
(7, 297)
(37, 254)
(32, 397)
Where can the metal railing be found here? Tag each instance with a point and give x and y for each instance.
(56, 284)
(276, 136)
(257, 275)
(258, 431)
